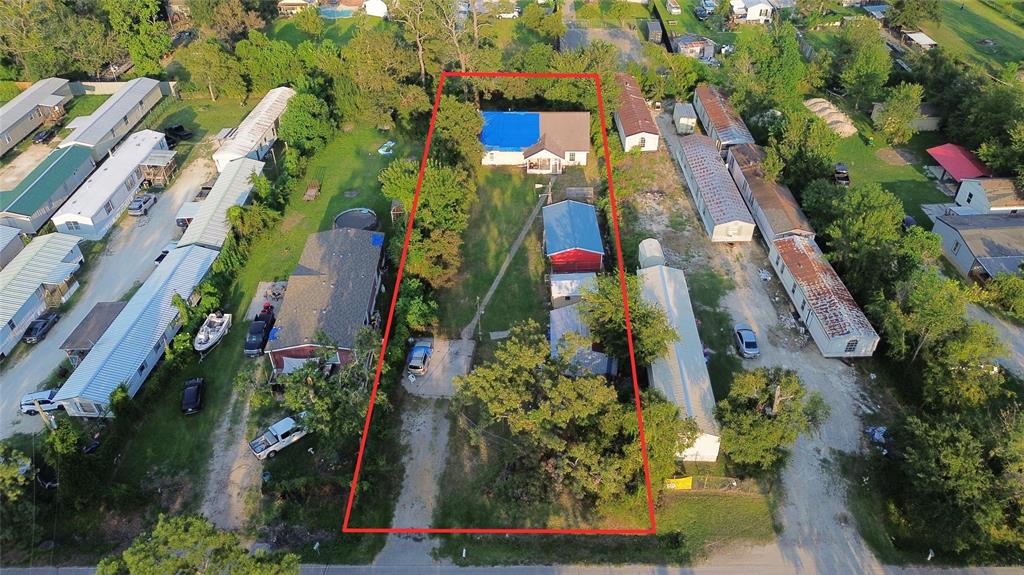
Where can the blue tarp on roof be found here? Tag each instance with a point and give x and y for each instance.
(510, 131)
(571, 225)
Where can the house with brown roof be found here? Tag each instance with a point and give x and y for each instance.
(633, 120)
(721, 208)
(827, 310)
(90, 330)
(331, 296)
(772, 204)
(719, 119)
(990, 196)
(542, 142)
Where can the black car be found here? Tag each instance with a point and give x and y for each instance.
(172, 141)
(259, 332)
(700, 13)
(192, 396)
(39, 327)
(841, 177)
(178, 131)
(44, 136)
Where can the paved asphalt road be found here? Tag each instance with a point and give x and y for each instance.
(133, 245)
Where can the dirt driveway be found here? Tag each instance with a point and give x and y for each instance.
(232, 473)
(12, 173)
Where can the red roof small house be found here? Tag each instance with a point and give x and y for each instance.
(633, 120)
(572, 240)
(958, 162)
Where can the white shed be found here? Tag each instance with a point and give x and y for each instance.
(376, 8)
(566, 289)
(94, 208)
(685, 118)
(105, 127)
(134, 342)
(681, 375)
(718, 201)
(257, 133)
(210, 225)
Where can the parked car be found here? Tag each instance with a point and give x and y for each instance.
(178, 131)
(700, 13)
(140, 204)
(419, 356)
(39, 327)
(44, 136)
(259, 333)
(163, 253)
(387, 149)
(746, 341)
(709, 6)
(841, 177)
(192, 396)
(45, 400)
(511, 14)
(172, 141)
(278, 436)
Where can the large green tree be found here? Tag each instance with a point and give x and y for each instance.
(806, 147)
(910, 14)
(767, 70)
(267, 63)
(961, 372)
(603, 311)
(765, 412)
(864, 63)
(306, 124)
(191, 544)
(377, 67)
(211, 68)
(16, 503)
(138, 26)
(902, 109)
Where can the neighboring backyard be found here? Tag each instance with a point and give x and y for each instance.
(986, 33)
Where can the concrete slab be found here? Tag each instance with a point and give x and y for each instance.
(451, 358)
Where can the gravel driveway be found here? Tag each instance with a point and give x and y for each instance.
(128, 258)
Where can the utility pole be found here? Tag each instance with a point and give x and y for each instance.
(48, 421)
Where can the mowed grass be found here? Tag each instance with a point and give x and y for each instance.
(204, 117)
(688, 22)
(505, 198)
(707, 288)
(961, 31)
(83, 106)
(339, 31)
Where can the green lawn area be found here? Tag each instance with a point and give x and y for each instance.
(688, 22)
(339, 31)
(204, 117)
(83, 106)
(961, 30)
(506, 197)
(600, 14)
(707, 288)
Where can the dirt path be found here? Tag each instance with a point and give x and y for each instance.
(232, 472)
(425, 437)
(1011, 334)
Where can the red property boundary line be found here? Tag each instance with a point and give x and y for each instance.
(394, 297)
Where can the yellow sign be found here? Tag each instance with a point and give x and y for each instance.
(679, 483)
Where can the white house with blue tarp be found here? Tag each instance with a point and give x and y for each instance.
(572, 238)
(542, 142)
(130, 348)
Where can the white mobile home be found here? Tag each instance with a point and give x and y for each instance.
(990, 196)
(134, 342)
(105, 127)
(40, 277)
(982, 246)
(10, 244)
(832, 317)
(258, 131)
(91, 211)
(42, 101)
(210, 225)
(721, 208)
(681, 375)
(636, 127)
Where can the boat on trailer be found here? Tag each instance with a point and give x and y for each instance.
(213, 330)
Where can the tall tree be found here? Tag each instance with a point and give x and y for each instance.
(267, 63)
(867, 225)
(764, 413)
(310, 22)
(191, 544)
(864, 61)
(457, 132)
(603, 311)
(961, 373)
(229, 20)
(806, 147)
(767, 70)
(16, 504)
(138, 26)
(421, 26)
(306, 124)
(210, 67)
(910, 14)
(902, 109)
(925, 310)
(377, 66)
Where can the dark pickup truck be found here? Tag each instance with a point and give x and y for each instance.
(259, 332)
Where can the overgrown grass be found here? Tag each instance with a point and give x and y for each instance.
(506, 197)
(204, 117)
(870, 508)
(707, 289)
(960, 32)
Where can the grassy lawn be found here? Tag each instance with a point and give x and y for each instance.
(715, 327)
(83, 106)
(599, 14)
(961, 30)
(204, 117)
(506, 197)
(339, 31)
(688, 22)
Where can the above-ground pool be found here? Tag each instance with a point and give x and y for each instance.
(335, 13)
(358, 218)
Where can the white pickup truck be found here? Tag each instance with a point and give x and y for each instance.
(278, 436)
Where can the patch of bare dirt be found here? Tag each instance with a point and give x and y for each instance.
(893, 157)
(233, 472)
(291, 220)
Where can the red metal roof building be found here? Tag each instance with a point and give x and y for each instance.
(958, 162)
(831, 315)
(718, 117)
(633, 119)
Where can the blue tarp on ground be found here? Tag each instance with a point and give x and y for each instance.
(510, 131)
(571, 225)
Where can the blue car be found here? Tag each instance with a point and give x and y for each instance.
(419, 357)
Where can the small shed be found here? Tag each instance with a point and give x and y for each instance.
(685, 118)
(572, 239)
(376, 8)
(567, 289)
(90, 330)
(158, 168)
(653, 30)
(958, 162)
(919, 39)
